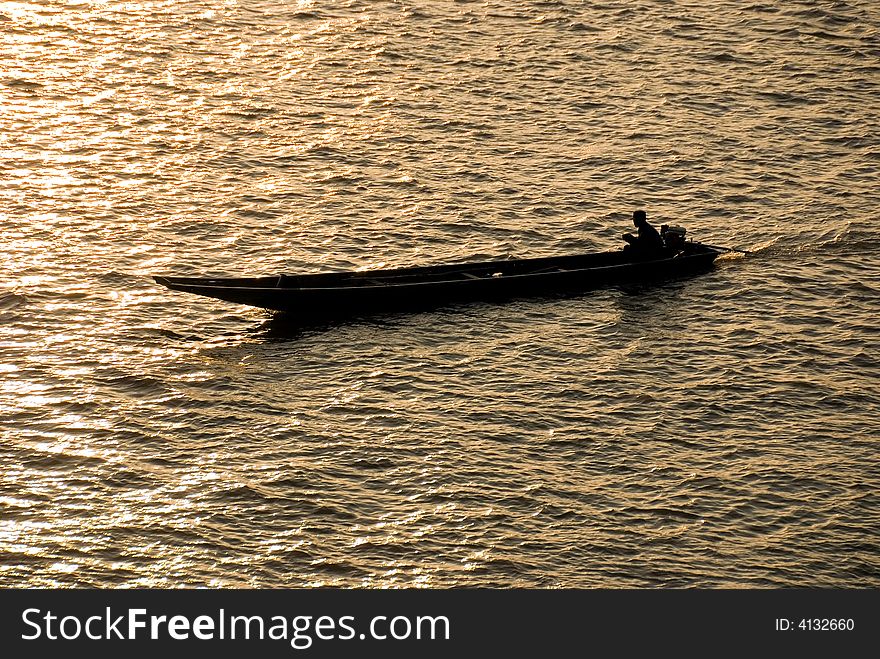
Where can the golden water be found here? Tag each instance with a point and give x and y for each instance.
(717, 431)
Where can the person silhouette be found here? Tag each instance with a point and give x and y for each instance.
(648, 238)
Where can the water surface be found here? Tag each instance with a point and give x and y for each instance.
(719, 431)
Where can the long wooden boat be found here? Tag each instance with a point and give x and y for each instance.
(335, 293)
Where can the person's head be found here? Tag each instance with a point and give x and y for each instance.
(639, 217)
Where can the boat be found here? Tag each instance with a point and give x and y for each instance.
(355, 292)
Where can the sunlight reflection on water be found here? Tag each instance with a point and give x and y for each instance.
(684, 435)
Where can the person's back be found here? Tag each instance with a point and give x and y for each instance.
(648, 235)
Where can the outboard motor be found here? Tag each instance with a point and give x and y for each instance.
(673, 236)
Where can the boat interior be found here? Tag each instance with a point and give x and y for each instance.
(424, 274)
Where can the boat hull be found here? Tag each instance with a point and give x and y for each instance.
(343, 293)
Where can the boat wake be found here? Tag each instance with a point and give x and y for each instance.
(845, 241)
(848, 240)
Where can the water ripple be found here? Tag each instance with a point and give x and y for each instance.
(716, 431)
